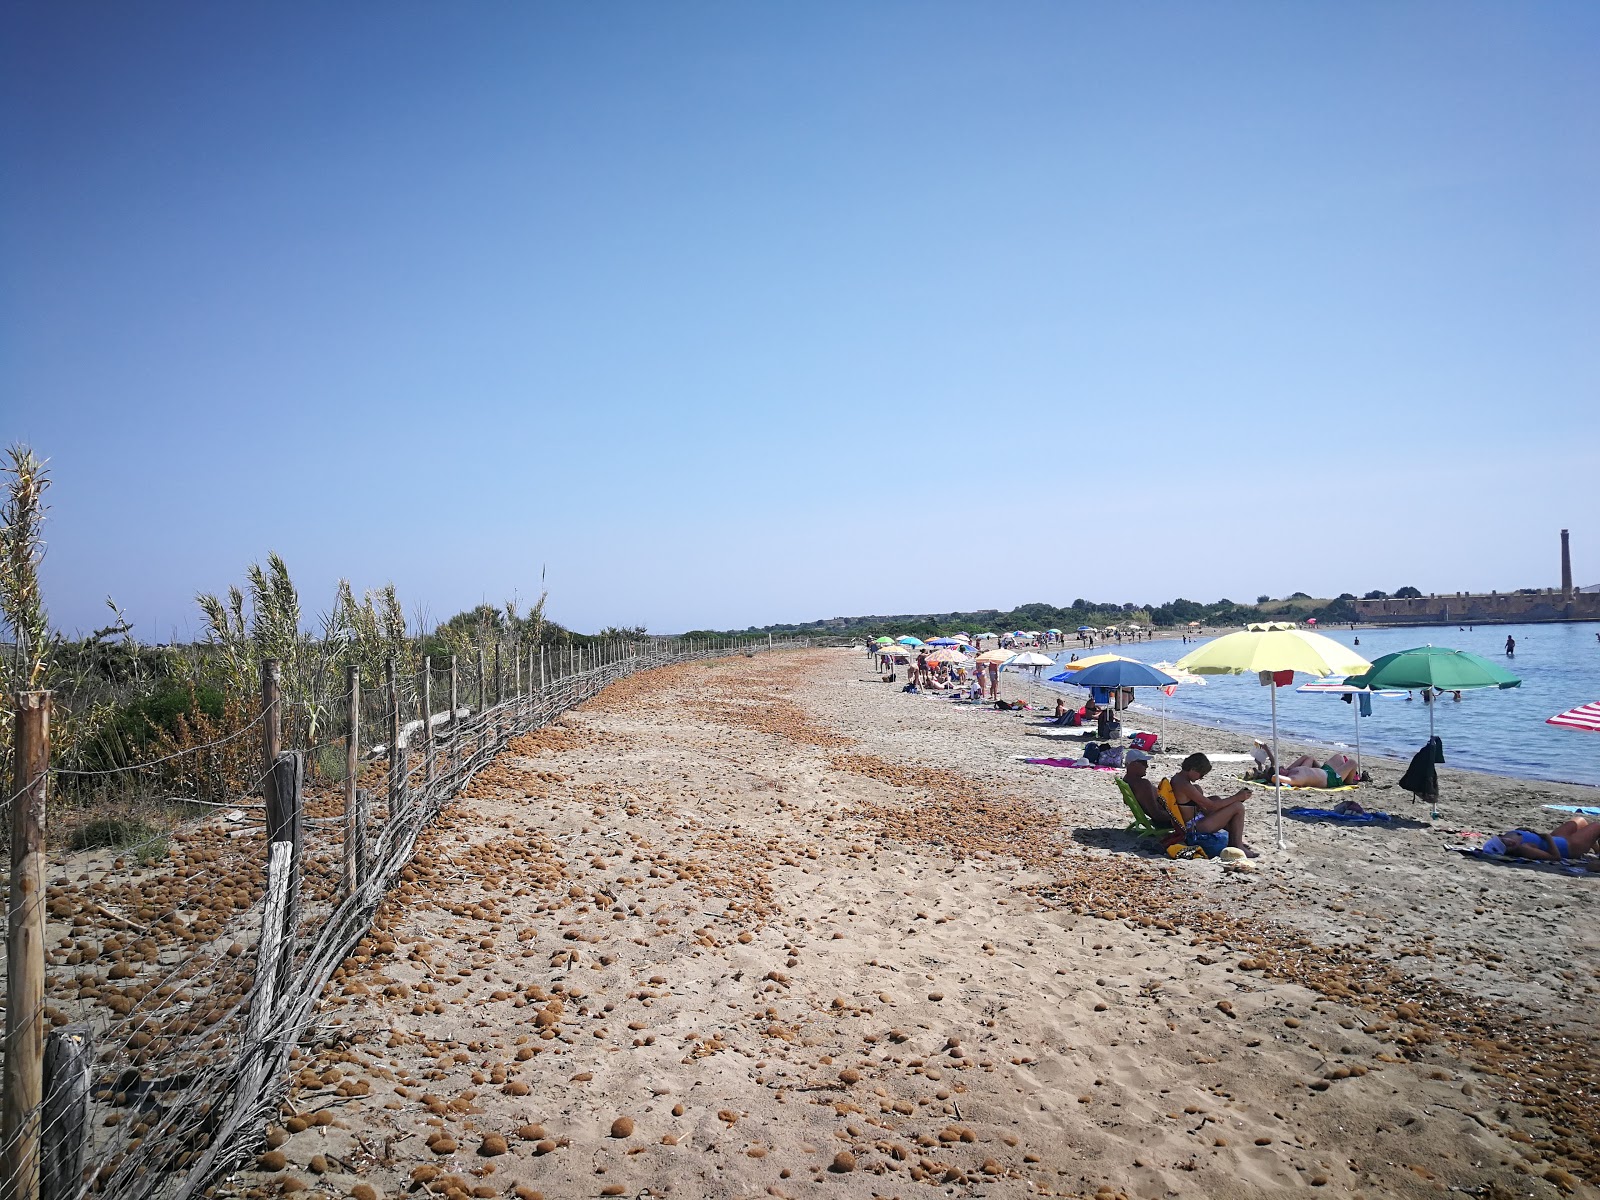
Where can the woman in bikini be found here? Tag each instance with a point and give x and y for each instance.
(1208, 814)
(1570, 839)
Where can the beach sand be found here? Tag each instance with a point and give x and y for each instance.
(770, 926)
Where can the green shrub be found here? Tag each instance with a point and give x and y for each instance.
(114, 831)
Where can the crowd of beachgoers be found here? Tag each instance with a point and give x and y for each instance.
(1175, 810)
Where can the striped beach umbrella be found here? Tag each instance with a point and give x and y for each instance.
(1585, 717)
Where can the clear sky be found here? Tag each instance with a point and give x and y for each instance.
(729, 313)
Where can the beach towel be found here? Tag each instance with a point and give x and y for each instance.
(1262, 783)
(1329, 814)
(1580, 809)
(1507, 860)
(1068, 762)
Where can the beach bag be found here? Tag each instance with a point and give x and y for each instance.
(1110, 756)
(1210, 844)
(1075, 718)
(1145, 741)
(1091, 752)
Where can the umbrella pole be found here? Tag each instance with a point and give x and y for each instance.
(1434, 814)
(1355, 703)
(1277, 787)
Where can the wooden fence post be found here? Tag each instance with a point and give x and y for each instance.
(455, 722)
(354, 830)
(24, 1069)
(271, 723)
(499, 693)
(396, 782)
(283, 825)
(269, 951)
(483, 700)
(427, 719)
(68, 1064)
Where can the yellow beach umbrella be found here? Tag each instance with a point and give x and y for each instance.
(1268, 650)
(1094, 660)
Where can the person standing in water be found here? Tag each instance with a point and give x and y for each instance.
(1511, 646)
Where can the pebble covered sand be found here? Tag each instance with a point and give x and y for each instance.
(769, 926)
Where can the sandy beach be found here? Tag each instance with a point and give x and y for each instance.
(768, 926)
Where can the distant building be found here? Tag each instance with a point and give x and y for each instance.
(1566, 603)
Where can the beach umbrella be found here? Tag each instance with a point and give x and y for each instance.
(943, 642)
(884, 641)
(1436, 667)
(1094, 660)
(1328, 688)
(908, 640)
(1030, 658)
(996, 656)
(1056, 632)
(1121, 673)
(1271, 652)
(948, 655)
(1085, 628)
(1585, 717)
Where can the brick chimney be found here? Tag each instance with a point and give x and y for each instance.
(1566, 568)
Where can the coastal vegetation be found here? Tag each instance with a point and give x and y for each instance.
(131, 721)
(1173, 614)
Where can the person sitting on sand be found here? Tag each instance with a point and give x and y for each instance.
(1570, 839)
(1208, 814)
(1306, 772)
(1135, 772)
(1061, 711)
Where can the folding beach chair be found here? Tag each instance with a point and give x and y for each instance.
(1140, 824)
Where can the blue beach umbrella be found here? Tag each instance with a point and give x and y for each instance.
(943, 642)
(1124, 672)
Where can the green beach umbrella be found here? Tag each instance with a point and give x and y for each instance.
(1433, 667)
(884, 640)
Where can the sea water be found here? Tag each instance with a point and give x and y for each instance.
(1489, 730)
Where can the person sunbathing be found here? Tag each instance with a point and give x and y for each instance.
(1570, 839)
(1337, 771)
(1208, 814)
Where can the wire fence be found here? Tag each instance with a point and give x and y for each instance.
(155, 990)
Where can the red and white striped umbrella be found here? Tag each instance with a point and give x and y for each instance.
(1585, 716)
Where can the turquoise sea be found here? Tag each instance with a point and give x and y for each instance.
(1499, 731)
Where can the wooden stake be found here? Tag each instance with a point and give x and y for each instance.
(353, 831)
(271, 723)
(24, 1068)
(284, 825)
(427, 719)
(68, 1066)
(396, 781)
(483, 698)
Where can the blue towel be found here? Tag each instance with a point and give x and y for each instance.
(1586, 810)
(1327, 814)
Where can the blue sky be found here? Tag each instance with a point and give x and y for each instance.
(735, 313)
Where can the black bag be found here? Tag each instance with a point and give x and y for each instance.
(1091, 752)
